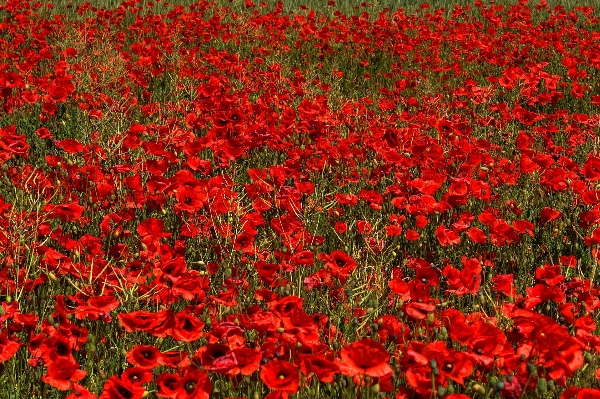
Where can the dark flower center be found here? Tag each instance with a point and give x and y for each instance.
(190, 386)
(61, 349)
(124, 392)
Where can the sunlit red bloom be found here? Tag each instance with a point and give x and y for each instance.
(62, 372)
(168, 385)
(340, 264)
(158, 324)
(446, 236)
(137, 375)
(187, 328)
(591, 168)
(194, 384)
(80, 392)
(8, 347)
(281, 376)
(115, 388)
(324, 368)
(147, 356)
(365, 357)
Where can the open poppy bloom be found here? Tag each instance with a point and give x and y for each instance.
(281, 376)
(365, 357)
(62, 372)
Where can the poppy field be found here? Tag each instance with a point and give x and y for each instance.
(245, 199)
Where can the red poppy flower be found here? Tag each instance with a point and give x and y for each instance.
(8, 348)
(187, 328)
(12, 143)
(115, 388)
(152, 227)
(168, 385)
(247, 361)
(62, 372)
(209, 354)
(44, 133)
(281, 376)
(324, 368)
(365, 357)
(477, 235)
(137, 375)
(591, 168)
(66, 212)
(80, 392)
(194, 384)
(70, 146)
(55, 348)
(340, 264)
(147, 356)
(158, 324)
(446, 236)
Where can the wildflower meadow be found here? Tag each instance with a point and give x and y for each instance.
(271, 200)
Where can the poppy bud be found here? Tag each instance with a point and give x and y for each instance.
(375, 388)
(588, 357)
(145, 394)
(441, 391)
(8, 299)
(450, 389)
(280, 330)
(2, 311)
(499, 385)
(542, 386)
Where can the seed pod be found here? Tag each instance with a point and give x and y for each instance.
(478, 389)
